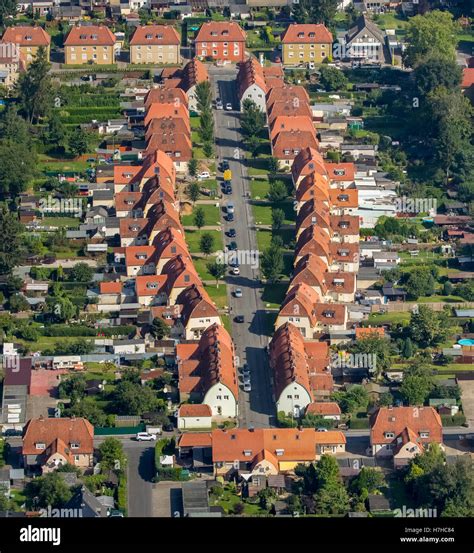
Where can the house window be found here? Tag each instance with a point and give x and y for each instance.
(40, 445)
(75, 445)
(389, 435)
(424, 434)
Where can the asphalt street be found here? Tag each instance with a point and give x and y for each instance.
(256, 408)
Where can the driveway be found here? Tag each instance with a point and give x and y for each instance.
(141, 462)
(257, 408)
(167, 499)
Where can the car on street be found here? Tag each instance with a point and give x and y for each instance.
(246, 378)
(230, 207)
(239, 319)
(231, 233)
(232, 246)
(235, 271)
(224, 165)
(145, 437)
(219, 104)
(227, 190)
(204, 175)
(238, 292)
(228, 106)
(247, 387)
(230, 217)
(245, 369)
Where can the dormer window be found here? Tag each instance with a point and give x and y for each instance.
(186, 278)
(344, 224)
(300, 35)
(75, 445)
(40, 445)
(129, 202)
(149, 37)
(389, 435)
(329, 314)
(159, 37)
(343, 198)
(151, 285)
(141, 256)
(424, 434)
(247, 452)
(279, 452)
(134, 228)
(339, 172)
(311, 35)
(343, 253)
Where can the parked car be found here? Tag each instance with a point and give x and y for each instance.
(238, 292)
(230, 207)
(219, 104)
(227, 190)
(230, 217)
(224, 165)
(235, 271)
(247, 387)
(232, 246)
(239, 319)
(245, 369)
(204, 175)
(228, 106)
(246, 378)
(145, 437)
(231, 233)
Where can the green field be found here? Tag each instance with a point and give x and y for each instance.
(219, 295)
(193, 238)
(211, 215)
(262, 213)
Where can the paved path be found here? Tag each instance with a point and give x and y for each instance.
(257, 408)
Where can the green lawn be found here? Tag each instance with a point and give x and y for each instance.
(229, 500)
(262, 213)
(389, 318)
(264, 237)
(62, 222)
(270, 319)
(219, 295)
(60, 165)
(274, 294)
(226, 322)
(257, 167)
(201, 267)
(211, 215)
(259, 188)
(48, 342)
(193, 238)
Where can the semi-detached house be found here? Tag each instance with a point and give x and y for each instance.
(94, 44)
(220, 41)
(155, 44)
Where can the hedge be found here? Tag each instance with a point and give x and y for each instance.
(122, 493)
(83, 330)
(456, 420)
(359, 424)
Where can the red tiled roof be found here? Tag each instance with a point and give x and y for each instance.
(328, 408)
(155, 34)
(27, 36)
(194, 410)
(93, 35)
(46, 431)
(306, 34)
(195, 439)
(396, 419)
(467, 77)
(220, 31)
(113, 287)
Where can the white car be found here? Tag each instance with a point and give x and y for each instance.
(228, 106)
(235, 271)
(219, 104)
(204, 175)
(238, 292)
(247, 387)
(145, 437)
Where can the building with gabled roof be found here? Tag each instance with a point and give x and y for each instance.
(220, 41)
(51, 443)
(404, 432)
(306, 43)
(207, 372)
(251, 83)
(155, 44)
(29, 39)
(87, 44)
(198, 311)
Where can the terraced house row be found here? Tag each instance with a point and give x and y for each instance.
(326, 254)
(160, 278)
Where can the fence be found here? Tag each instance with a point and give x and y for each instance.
(113, 431)
(398, 307)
